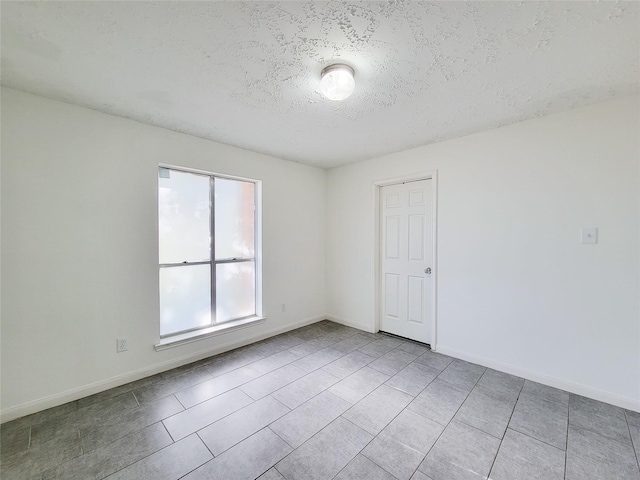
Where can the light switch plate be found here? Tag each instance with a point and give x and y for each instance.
(589, 235)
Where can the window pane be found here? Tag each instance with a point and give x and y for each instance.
(183, 217)
(185, 298)
(235, 290)
(234, 217)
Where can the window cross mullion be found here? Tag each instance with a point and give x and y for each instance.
(233, 214)
(212, 246)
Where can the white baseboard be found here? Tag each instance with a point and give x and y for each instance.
(567, 385)
(50, 401)
(57, 399)
(347, 323)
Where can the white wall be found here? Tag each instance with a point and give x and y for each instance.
(516, 289)
(79, 248)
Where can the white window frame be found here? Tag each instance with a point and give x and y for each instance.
(195, 334)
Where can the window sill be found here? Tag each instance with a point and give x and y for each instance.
(189, 337)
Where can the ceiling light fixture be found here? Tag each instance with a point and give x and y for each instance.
(336, 81)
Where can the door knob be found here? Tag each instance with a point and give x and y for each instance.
(427, 270)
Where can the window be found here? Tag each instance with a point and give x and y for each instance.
(207, 251)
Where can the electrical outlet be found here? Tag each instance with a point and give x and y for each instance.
(589, 235)
(284, 307)
(121, 345)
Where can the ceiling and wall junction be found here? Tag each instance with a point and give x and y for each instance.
(247, 73)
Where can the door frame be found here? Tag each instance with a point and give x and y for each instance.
(377, 260)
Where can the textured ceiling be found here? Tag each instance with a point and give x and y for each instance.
(247, 73)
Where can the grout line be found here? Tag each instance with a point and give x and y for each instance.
(237, 386)
(374, 436)
(566, 447)
(207, 365)
(181, 404)
(535, 438)
(406, 406)
(432, 445)
(293, 449)
(633, 445)
(506, 428)
(82, 452)
(450, 420)
(495, 457)
(311, 398)
(204, 443)
(276, 468)
(173, 440)
(592, 431)
(351, 461)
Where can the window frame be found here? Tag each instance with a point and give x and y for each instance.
(215, 327)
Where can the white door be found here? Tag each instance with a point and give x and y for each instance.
(406, 260)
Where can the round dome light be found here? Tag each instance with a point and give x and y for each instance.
(337, 82)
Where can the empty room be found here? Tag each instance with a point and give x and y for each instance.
(393, 240)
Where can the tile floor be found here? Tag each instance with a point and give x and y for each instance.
(327, 401)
